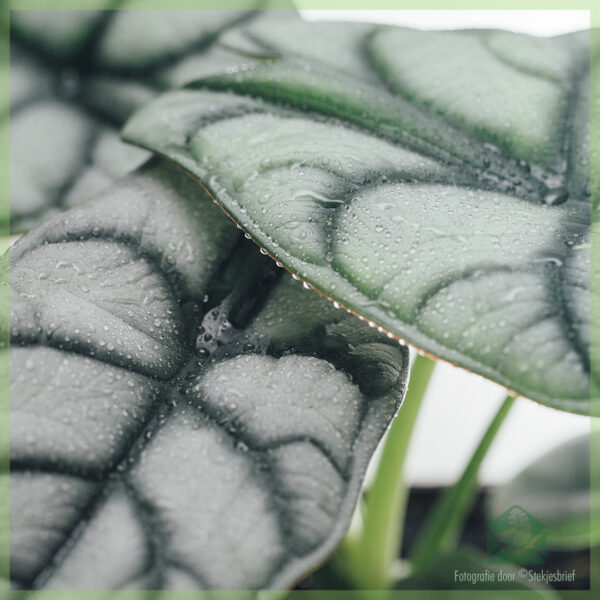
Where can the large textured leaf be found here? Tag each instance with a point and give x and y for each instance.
(435, 183)
(182, 415)
(77, 75)
(561, 490)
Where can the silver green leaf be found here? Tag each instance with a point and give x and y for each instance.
(184, 415)
(77, 75)
(435, 183)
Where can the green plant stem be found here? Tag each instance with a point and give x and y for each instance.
(446, 520)
(378, 547)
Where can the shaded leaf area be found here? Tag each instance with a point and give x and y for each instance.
(561, 490)
(183, 414)
(435, 183)
(77, 75)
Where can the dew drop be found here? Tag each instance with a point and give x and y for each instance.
(556, 196)
(241, 447)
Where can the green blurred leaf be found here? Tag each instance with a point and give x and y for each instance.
(76, 75)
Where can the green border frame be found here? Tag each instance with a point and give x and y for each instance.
(5, 7)
(4, 307)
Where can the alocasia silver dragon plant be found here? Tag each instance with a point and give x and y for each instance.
(185, 415)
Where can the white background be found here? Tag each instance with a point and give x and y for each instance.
(459, 405)
(536, 22)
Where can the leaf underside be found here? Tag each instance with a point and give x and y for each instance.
(436, 183)
(183, 414)
(77, 75)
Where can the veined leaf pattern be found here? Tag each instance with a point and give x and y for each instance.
(437, 184)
